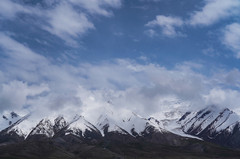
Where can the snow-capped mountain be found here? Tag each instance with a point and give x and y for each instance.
(221, 126)
(133, 124)
(80, 127)
(210, 119)
(213, 124)
(44, 127)
(48, 127)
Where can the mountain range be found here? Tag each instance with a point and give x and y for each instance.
(211, 132)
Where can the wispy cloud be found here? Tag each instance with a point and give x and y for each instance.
(150, 0)
(167, 24)
(68, 19)
(151, 33)
(231, 38)
(67, 23)
(213, 11)
(98, 6)
(8, 9)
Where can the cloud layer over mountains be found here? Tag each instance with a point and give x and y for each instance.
(31, 81)
(34, 83)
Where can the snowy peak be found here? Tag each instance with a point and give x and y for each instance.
(137, 125)
(16, 126)
(44, 127)
(156, 123)
(28, 126)
(211, 124)
(103, 124)
(221, 126)
(206, 122)
(59, 124)
(209, 119)
(106, 123)
(79, 126)
(132, 124)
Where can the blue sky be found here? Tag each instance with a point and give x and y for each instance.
(56, 50)
(124, 34)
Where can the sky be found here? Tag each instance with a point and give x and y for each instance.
(146, 56)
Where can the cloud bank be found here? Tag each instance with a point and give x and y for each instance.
(33, 83)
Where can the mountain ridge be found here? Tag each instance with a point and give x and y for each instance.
(198, 129)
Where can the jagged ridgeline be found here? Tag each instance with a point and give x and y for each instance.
(209, 133)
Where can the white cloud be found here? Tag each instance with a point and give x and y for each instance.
(21, 57)
(67, 19)
(150, 0)
(212, 12)
(151, 33)
(25, 71)
(231, 38)
(229, 78)
(98, 6)
(227, 97)
(210, 52)
(9, 9)
(47, 88)
(168, 24)
(19, 51)
(215, 10)
(67, 23)
(14, 94)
